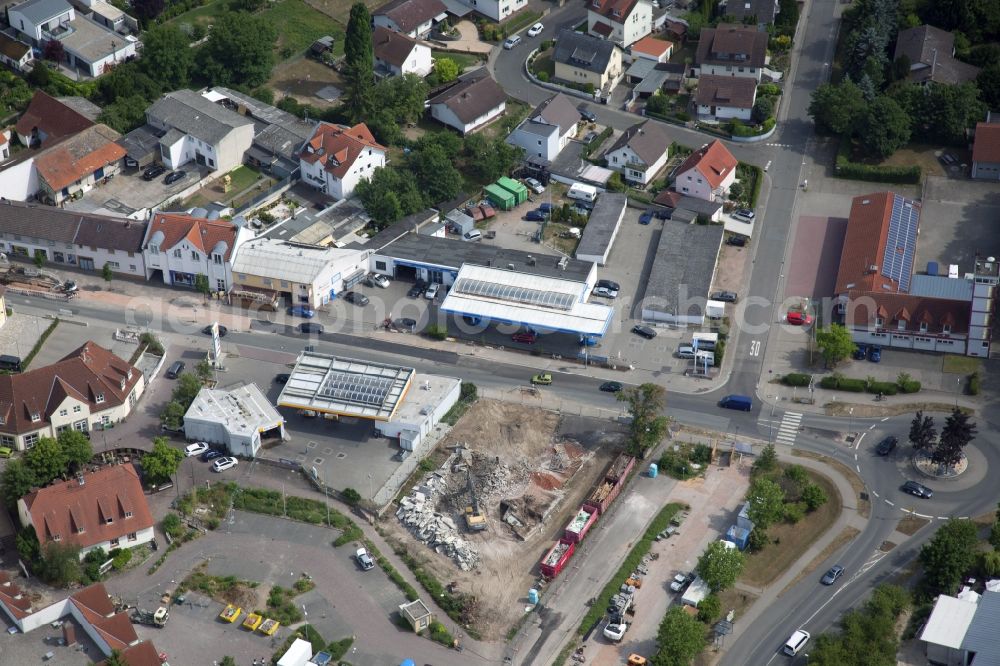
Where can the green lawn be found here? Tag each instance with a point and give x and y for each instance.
(204, 15)
(463, 60)
(961, 365)
(242, 177)
(299, 25)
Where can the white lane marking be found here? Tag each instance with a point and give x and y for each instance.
(875, 494)
(788, 429)
(889, 503)
(942, 517)
(871, 427)
(858, 467)
(857, 444)
(855, 457)
(884, 420)
(922, 515)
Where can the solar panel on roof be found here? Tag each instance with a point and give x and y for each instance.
(901, 243)
(356, 389)
(506, 292)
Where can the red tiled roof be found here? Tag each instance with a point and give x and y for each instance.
(77, 157)
(67, 507)
(84, 374)
(613, 10)
(52, 117)
(13, 598)
(986, 147)
(95, 600)
(668, 198)
(97, 609)
(140, 654)
(199, 232)
(603, 29)
(864, 245)
(713, 161)
(652, 46)
(336, 147)
(862, 308)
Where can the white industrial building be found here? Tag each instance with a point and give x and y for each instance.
(237, 419)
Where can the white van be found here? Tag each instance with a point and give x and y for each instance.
(582, 192)
(705, 341)
(685, 351)
(796, 643)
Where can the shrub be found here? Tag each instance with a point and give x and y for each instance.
(797, 475)
(758, 541)
(769, 89)
(973, 385)
(351, 496)
(829, 382)
(546, 45)
(683, 116)
(172, 525)
(912, 386)
(338, 649)
(813, 497)
(542, 76)
(436, 332)
(852, 385)
(886, 388)
(439, 633)
(794, 512)
(709, 609)
(872, 172)
(121, 559)
(796, 379)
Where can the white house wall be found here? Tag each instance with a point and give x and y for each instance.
(546, 148)
(724, 112)
(731, 70)
(19, 181)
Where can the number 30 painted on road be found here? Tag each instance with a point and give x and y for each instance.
(754, 347)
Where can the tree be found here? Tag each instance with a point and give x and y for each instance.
(389, 194)
(767, 500)
(18, 480)
(76, 447)
(720, 566)
(658, 104)
(835, 344)
(40, 75)
(949, 555)
(204, 370)
(446, 69)
(837, 107)
(147, 10)
(679, 639)
(167, 56)
(709, 609)
(60, 565)
(351, 496)
(941, 113)
(201, 284)
(186, 390)
(46, 460)
(359, 66)
(922, 431)
(227, 661)
(54, 51)
(436, 174)
(813, 496)
(107, 272)
(162, 462)
(885, 127)
(490, 159)
(766, 462)
(39, 258)
(868, 636)
(988, 82)
(646, 404)
(955, 436)
(238, 51)
(27, 545)
(125, 114)
(616, 184)
(172, 415)
(763, 109)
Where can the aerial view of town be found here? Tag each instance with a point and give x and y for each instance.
(499, 332)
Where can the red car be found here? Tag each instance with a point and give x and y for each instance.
(525, 337)
(796, 318)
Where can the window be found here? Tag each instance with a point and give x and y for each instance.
(194, 256)
(76, 409)
(217, 258)
(132, 535)
(115, 542)
(7, 440)
(154, 249)
(109, 520)
(128, 514)
(242, 276)
(110, 250)
(63, 412)
(80, 426)
(879, 321)
(81, 529)
(99, 399)
(923, 327)
(56, 537)
(285, 284)
(114, 264)
(30, 440)
(177, 253)
(131, 254)
(220, 285)
(131, 267)
(35, 416)
(901, 325)
(267, 282)
(105, 420)
(210, 162)
(946, 328)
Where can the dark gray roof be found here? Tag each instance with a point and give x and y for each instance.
(583, 51)
(981, 636)
(558, 110)
(602, 225)
(678, 201)
(418, 248)
(647, 140)
(278, 140)
(472, 97)
(82, 105)
(409, 14)
(729, 45)
(309, 226)
(196, 116)
(764, 10)
(683, 267)
(62, 226)
(40, 11)
(734, 91)
(932, 47)
(266, 113)
(140, 142)
(410, 223)
(529, 126)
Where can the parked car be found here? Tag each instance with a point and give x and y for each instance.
(535, 185)
(917, 490)
(744, 214)
(606, 292)
(587, 341)
(646, 217)
(586, 113)
(511, 42)
(886, 446)
(309, 327)
(222, 464)
(875, 354)
(525, 337)
(175, 369)
(474, 235)
(417, 290)
(405, 323)
(611, 387)
(681, 581)
(590, 136)
(377, 280)
(542, 378)
(685, 351)
(174, 176)
(831, 576)
(302, 311)
(546, 208)
(644, 331)
(725, 296)
(737, 241)
(356, 298)
(535, 30)
(365, 560)
(153, 172)
(212, 454)
(222, 330)
(432, 291)
(615, 632)
(610, 284)
(536, 215)
(282, 378)
(797, 318)
(860, 353)
(195, 449)
(69, 287)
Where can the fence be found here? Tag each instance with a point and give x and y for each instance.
(269, 194)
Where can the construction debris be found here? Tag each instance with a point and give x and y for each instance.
(418, 512)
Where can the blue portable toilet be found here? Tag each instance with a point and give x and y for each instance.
(533, 596)
(408, 662)
(932, 268)
(653, 470)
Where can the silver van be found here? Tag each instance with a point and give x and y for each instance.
(796, 642)
(685, 351)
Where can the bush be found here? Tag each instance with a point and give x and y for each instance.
(886, 388)
(872, 172)
(796, 379)
(794, 512)
(973, 385)
(468, 392)
(768, 89)
(172, 525)
(844, 384)
(436, 332)
(758, 541)
(351, 496)
(121, 559)
(546, 45)
(797, 475)
(338, 649)
(813, 497)
(542, 76)
(439, 633)
(911, 386)
(709, 609)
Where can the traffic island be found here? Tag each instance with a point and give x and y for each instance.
(924, 464)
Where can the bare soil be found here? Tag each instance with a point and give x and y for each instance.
(545, 478)
(301, 78)
(340, 9)
(909, 524)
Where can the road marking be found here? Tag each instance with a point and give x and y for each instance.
(788, 429)
(884, 420)
(889, 503)
(871, 427)
(858, 467)
(942, 517)
(921, 515)
(855, 457)
(754, 347)
(875, 494)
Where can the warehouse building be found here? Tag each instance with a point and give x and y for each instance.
(238, 419)
(602, 228)
(682, 272)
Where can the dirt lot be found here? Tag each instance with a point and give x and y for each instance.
(340, 9)
(301, 78)
(523, 466)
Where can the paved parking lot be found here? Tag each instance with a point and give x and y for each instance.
(71, 333)
(128, 192)
(958, 219)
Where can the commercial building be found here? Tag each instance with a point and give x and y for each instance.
(732, 50)
(87, 389)
(707, 173)
(682, 272)
(401, 404)
(180, 247)
(584, 59)
(961, 630)
(602, 228)
(193, 128)
(640, 152)
(105, 509)
(237, 419)
(620, 21)
(473, 102)
(336, 158)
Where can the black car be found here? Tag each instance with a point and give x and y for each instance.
(609, 284)
(886, 446)
(310, 327)
(417, 290)
(405, 323)
(611, 387)
(586, 113)
(282, 378)
(212, 454)
(725, 296)
(917, 490)
(644, 331)
(173, 177)
(222, 330)
(860, 353)
(737, 241)
(154, 171)
(356, 298)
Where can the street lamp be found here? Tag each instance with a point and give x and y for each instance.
(850, 433)
(371, 492)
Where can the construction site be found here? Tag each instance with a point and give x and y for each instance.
(512, 476)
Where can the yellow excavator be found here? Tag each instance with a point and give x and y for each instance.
(474, 518)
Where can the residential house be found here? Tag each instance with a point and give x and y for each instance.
(582, 59)
(105, 509)
(651, 48)
(90, 47)
(640, 153)
(620, 21)
(414, 18)
(77, 164)
(961, 630)
(648, 77)
(193, 127)
(297, 273)
(87, 389)
(473, 102)
(883, 302)
(732, 50)
(107, 15)
(15, 54)
(495, 10)
(725, 97)
(930, 52)
(548, 129)
(986, 151)
(336, 158)
(758, 12)
(47, 119)
(278, 135)
(181, 247)
(396, 54)
(66, 238)
(674, 201)
(707, 173)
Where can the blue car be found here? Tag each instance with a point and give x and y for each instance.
(535, 216)
(546, 208)
(646, 217)
(587, 341)
(302, 311)
(875, 354)
(861, 353)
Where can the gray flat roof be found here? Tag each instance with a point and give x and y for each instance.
(937, 286)
(602, 225)
(421, 249)
(140, 142)
(310, 226)
(92, 40)
(684, 265)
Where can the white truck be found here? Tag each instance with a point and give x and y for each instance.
(696, 592)
(615, 632)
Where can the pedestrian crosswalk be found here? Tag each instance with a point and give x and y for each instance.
(788, 429)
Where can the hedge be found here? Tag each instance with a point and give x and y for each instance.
(796, 379)
(38, 345)
(886, 388)
(872, 172)
(911, 386)
(596, 141)
(843, 384)
(973, 386)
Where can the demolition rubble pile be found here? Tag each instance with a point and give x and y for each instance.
(418, 512)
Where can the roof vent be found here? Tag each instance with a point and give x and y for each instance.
(991, 259)
(510, 267)
(865, 202)
(873, 268)
(80, 480)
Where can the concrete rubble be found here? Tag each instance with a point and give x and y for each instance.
(418, 512)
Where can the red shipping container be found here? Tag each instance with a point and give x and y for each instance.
(556, 559)
(620, 468)
(580, 525)
(488, 211)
